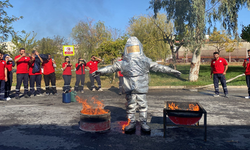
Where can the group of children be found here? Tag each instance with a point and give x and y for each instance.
(28, 69)
(80, 67)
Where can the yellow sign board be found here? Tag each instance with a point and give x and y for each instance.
(68, 50)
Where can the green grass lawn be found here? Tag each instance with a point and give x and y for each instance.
(160, 79)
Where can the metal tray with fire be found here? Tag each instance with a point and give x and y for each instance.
(184, 114)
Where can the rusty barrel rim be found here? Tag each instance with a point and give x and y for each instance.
(95, 123)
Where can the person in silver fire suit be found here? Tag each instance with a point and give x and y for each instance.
(135, 68)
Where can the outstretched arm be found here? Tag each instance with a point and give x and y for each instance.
(154, 66)
(108, 69)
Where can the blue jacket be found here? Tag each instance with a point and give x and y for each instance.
(38, 62)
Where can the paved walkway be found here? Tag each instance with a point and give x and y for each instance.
(45, 123)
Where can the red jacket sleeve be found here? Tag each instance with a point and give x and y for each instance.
(244, 62)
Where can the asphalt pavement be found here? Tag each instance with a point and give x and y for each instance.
(45, 123)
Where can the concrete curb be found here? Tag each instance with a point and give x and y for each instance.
(161, 87)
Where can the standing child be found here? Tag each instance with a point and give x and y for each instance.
(80, 74)
(246, 65)
(35, 76)
(49, 66)
(67, 66)
(93, 66)
(8, 84)
(3, 77)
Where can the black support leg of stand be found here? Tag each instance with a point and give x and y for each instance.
(164, 122)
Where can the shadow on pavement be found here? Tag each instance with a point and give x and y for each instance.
(53, 137)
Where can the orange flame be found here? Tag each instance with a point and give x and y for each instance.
(123, 126)
(172, 106)
(95, 109)
(194, 108)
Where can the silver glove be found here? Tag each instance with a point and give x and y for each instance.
(96, 73)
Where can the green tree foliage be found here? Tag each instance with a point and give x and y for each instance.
(6, 21)
(245, 35)
(110, 50)
(191, 17)
(222, 41)
(146, 30)
(226, 11)
(28, 42)
(88, 36)
(54, 46)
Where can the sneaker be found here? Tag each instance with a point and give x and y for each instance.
(120, 93)
(32, 95)
(100, 89)
(26, 96)
(39, 95)
(82, 91)
(247, 97)
(7, 99)
(226, 96)
(55, 94)
(93, 89)
(17, 97)
(47, 94)
(216, 95)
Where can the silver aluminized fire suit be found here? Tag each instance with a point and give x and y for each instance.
(135, 68)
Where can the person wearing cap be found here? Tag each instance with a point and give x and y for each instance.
(49, 66)
(67, 66)
(120, 75)
(8, 84)
(219, 68)
(35, 76)
(93, 66)
(3, 77)
(22, 73)
(80, 75)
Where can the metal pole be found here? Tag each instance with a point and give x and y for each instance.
(205, 126)
(164, 122)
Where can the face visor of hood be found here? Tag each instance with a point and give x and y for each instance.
(133, 46)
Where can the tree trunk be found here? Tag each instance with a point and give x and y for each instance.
(173, 55)
(229, 58)
(195, 67)
(174, 60)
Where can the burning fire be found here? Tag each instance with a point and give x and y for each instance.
(194, 108)
(172, 106)
(123, 126)
(95, 109)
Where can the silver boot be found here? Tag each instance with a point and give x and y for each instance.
(143, 120)
(132, 125)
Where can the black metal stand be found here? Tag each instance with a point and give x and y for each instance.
(165, 110)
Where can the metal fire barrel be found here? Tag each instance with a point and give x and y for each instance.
(95, 123)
